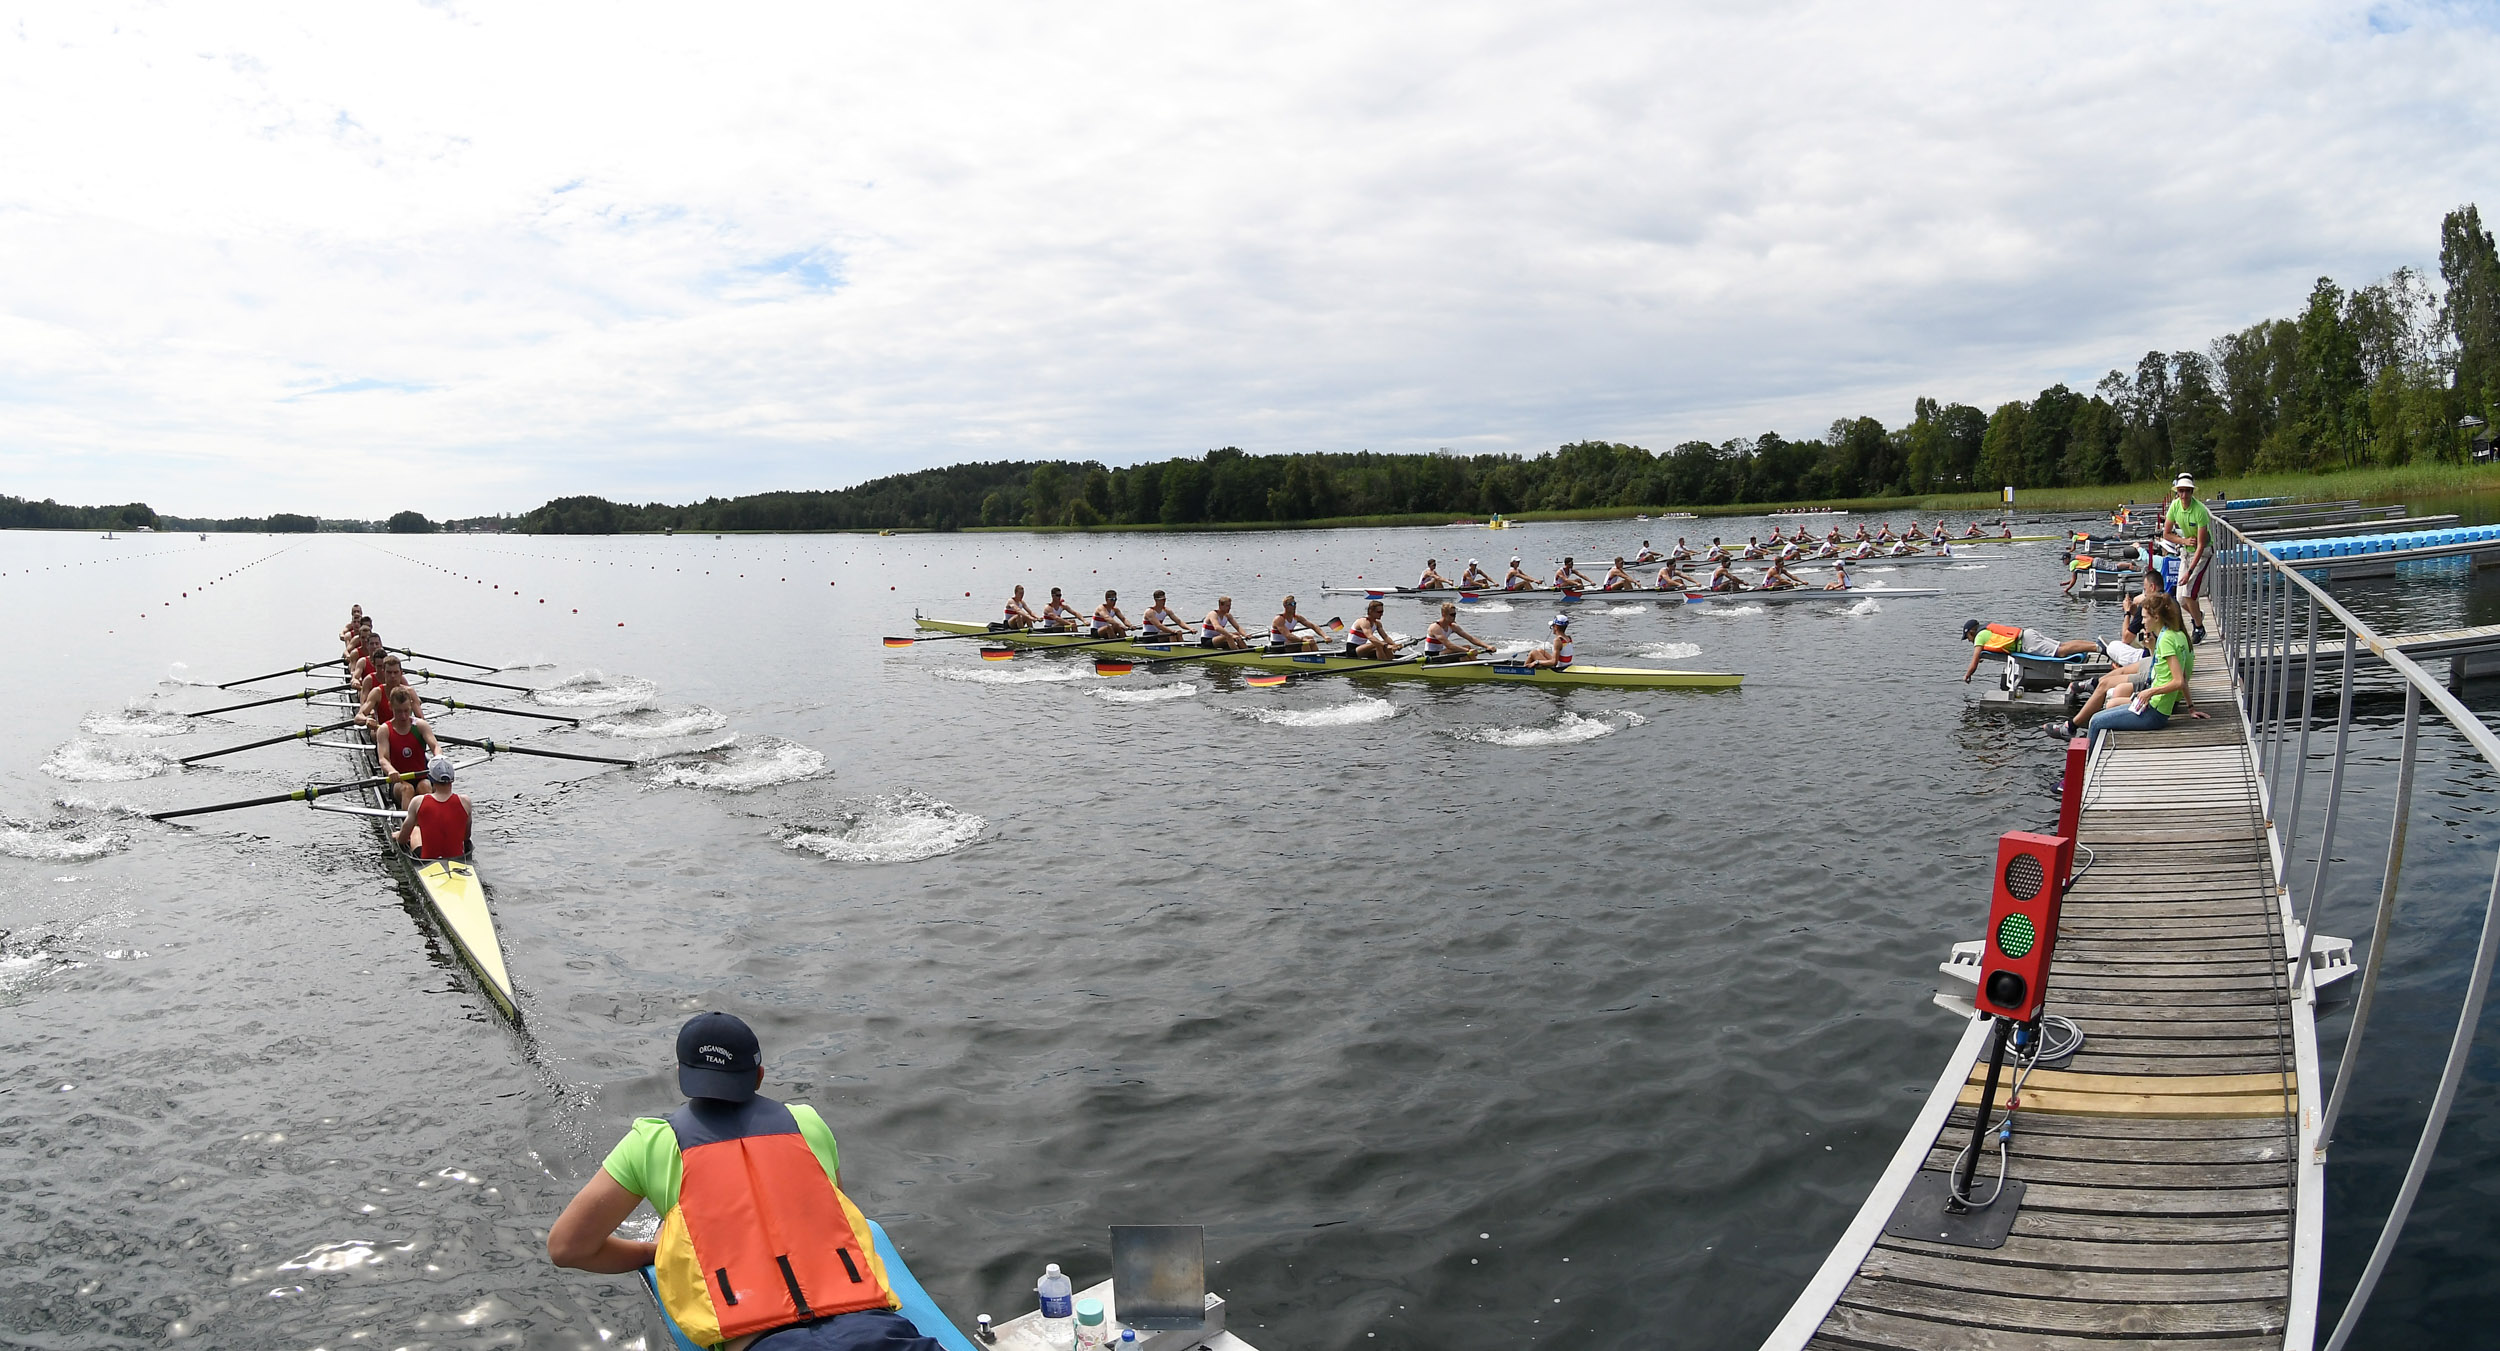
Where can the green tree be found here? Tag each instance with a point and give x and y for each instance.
(2470, 309)
(2001, 446)
(408, 523)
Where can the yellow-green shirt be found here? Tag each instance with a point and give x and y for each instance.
(2173, 659)
(647, 1162)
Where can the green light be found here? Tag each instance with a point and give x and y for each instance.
(2015, 934)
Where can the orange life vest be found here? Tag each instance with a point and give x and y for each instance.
(1999, 638)
(760, 1237)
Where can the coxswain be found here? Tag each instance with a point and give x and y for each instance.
(1840, 578)
(1160, 622)
(438, 822)
(1283, 631)
(1475, 578)
(1432, 580)
(1058, 614)
(1444, 640)
(1725, 579)
(1616, 579)
(404, 741)
(1944, 547)
(1222, 628)
(1988, 639)
(1556, 651)
(1570, 578)
(1779, 578)
(1109, 622)
(1518, 579)
(757, 1245)
(1370, 637)
(1019, 615)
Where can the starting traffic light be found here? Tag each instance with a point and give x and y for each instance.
(2032, 871)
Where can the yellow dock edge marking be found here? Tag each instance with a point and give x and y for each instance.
(2066, 1093)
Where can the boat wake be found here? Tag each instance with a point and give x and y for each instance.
(1047, 673)
(1363, 709)
(56, 841)
(533, 664)
(1567, 730)
(1730, 611)
(86, 761)
(903, 827)
(180, 674)
(135, 720)
(24, 963)
(597, 689)
(1152, 695)
(1668, 651)
(734, 767)
(1866, 606)
(655, 724)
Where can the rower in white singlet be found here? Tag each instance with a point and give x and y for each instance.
(1432, 580)
(1222, 628)
(1019, 615)
(1160, 622)
(1556, 651)
(1570, 578)
(1616, 579)
(1647, 555)
(1446, 641)
(1109, 622)
(1284, 631)
(1475, 578)
(1779, 578)
(1370, 637)
(1517, 579)
(1725, 579)
(1058, 614)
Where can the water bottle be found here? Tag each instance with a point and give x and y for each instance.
(1089, 1326)
(1058, 1318)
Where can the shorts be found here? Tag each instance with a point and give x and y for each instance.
(869, 1330)
(2038, 644)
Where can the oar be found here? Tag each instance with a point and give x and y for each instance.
(299, 795)
(292, 670)
(306, 696)
(427, 656)
(892, 641)
(1009, 650)
(470, 680)
(490, 708)
(304, 735)
(1268, 680)
(507, 748)
(1119, 666)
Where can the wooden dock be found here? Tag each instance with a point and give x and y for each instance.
(2171, 1193)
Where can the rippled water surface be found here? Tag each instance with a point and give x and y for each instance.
(1462, 1017)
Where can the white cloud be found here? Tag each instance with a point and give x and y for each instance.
(465, 257)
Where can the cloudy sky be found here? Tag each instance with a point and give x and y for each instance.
(464, 257)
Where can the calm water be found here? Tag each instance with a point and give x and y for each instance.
(1461, 1017)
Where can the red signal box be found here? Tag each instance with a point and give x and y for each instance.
(2032, 871)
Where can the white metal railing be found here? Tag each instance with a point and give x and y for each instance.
(2271, 618)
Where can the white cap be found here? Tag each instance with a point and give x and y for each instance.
(2183, 481)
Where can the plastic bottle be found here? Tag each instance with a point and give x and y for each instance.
(1058, 1319)
(1090, 1329)
(1128, 1339)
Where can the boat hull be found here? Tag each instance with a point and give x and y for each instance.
(1302, 663)
(454, 897)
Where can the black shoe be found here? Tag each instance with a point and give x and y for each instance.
(2196, 635)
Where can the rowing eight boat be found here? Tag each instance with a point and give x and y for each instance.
(1644, 593)
(1298, 663)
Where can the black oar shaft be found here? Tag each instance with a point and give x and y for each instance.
(305, 695)
(507, 748)
(299, 795)
(507, 712)
(428, 656)
(306, 734)
(471, 680)
(292, 670)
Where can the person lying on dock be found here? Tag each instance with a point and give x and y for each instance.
(1370, 636)
(1840, 578)
(714, 1169)
(1475, 578)
(1446, 641)
(1616, 579)
(1283, 631)
(1556, 651)
(1109, 622)
(1519, 580)
(1222, 628)
(437, 824)
(1725, 579)
(1779, 578)
(2078, 567)
(1570, 578)
(406, 741)
(1161, 623)
(1058, 614)
(1987, 640)
(1018, 614)
(1432, 580)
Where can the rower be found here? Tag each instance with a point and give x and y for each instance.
(1884, 533)
(1915, 531)
(1475, 578)
(1861, 535)
(1779, 578)
(1282, 631)
(404, 741)
(438, 823)
(1019, 615)
(1753, 546)
(1617, 579)
(1370, 637)
(1556, 651)
(1671, 580)
(1902, 549)
(1726, 580)
(1438, 644)
(1109, 622)
(374, 702)
(1570, 578)
(1683, 552)
(1160, 622)
(1432, 580)
(355, 616)
(1987, 639)
(1865, 547)
(2006, 532)
(1646, 555)
(1718, 551)
(1974, 532)
(1058, 614)
(1840, 578)
(1792, 553)
(1518, 580)
(1222, 628)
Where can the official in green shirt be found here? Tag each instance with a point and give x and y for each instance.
(2187, 523)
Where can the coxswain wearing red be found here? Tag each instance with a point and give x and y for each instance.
(438, 823)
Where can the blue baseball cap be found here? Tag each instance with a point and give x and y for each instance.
(717, 1057)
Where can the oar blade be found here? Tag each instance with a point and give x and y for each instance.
(1113, 666)
(1263, 680)
(998, 654)
(899, 642)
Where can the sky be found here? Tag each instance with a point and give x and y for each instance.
(464, 257)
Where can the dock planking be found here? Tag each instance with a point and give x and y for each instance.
(2162, 1163)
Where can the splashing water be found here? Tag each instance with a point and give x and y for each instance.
(903, 827)
(1049, 673)
(596, 689)
(1488, 607)
(1668, 651)
(1151, 695)
(654, 724)
(1570, 728)
(1867, 606)
(135, 721)
(1965, 567)
(742, 768)
(56, 841)
(1363, 709)
(86, 761)
(1730, 611)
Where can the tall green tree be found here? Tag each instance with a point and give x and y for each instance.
(2470, 309)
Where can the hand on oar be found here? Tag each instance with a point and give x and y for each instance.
(305, 735)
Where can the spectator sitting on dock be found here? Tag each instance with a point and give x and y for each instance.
(1988, 639)
(2164, 679)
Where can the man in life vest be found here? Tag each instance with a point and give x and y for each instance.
(1987, 640)
(758, 1247)
(437, 825)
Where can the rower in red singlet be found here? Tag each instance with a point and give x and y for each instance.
(405, 741)
(387, 676)
(438, 821)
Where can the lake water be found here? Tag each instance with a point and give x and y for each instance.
(1461, 1017)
